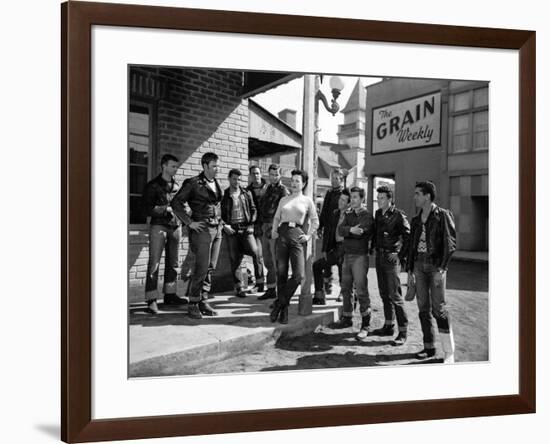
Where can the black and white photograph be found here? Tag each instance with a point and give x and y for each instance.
(296, 221)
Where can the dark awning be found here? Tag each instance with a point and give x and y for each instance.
(256, 82)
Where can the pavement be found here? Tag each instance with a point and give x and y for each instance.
(172, 343)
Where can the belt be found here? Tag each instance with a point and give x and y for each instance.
(290, 225)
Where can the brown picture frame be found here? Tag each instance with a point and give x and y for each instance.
(77, 19)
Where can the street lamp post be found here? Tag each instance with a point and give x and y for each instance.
(310, 145)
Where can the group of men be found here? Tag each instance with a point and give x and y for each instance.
(350, 233)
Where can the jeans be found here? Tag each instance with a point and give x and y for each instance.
(354, 271)
(389, 286)
(430, 296)
(258, 261)
(206, 248)
(322, 269)
(269, 257)
(287, 248)
(162, 238)
(238, 245)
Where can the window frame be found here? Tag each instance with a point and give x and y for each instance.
(470, 111)
(152, 161)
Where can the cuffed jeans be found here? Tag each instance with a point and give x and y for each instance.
(389, 286)
(268, 255)
(354, 271)
(205, 245)
(238, 245)
(288, 248)
(162, 238)
(322, 269)
(430, 296)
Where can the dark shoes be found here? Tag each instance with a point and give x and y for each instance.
(386, 330)
(174, 299)
(344, 322)
(152, 306)
(206, 309)
(193, 311)
(241, 294)
(271, 293)
(260, 288)
(203, 308)
(318, 301)
(426, 353)
(274, 315)
(283, 317)
(400, 339)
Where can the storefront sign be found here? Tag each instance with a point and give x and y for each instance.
(410, 124)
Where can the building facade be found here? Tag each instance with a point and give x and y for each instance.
(184, 112)
(432, 130)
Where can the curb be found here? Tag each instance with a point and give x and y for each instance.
(189, 361)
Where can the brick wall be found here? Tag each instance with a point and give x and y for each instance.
(194, 111)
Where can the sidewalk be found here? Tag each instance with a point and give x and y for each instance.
(172, 343)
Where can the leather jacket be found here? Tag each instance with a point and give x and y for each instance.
(258, 194)
(329, 235)
(440, 237)
(326, 221)
(392, 232)
(270, 201)
(356, 243)
(156, 198)
(247, 203)
(202, 200)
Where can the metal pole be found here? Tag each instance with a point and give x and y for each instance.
(309, 134)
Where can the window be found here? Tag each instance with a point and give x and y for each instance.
(469, 120)
(140, 157)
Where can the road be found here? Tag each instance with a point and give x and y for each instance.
(467, 296)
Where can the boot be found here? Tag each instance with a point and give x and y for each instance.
(400, 339)
(152, 306)
(364, 332)
(448, 345)
(240, 293)
(425, 353)
(386, 330)
(206, 309)
(274, 315)
(193, 311)
(271, 293)
(344, 322)
(283, 317)
(174, 299)
(319, 298)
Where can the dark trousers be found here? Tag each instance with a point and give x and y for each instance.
(269, 257)
(206, 248)
(389, 286)
(322, 269)
(167, 239)
(354, 271)
(288, 249)
(430, 296)
(258, 262)
(238, 245)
